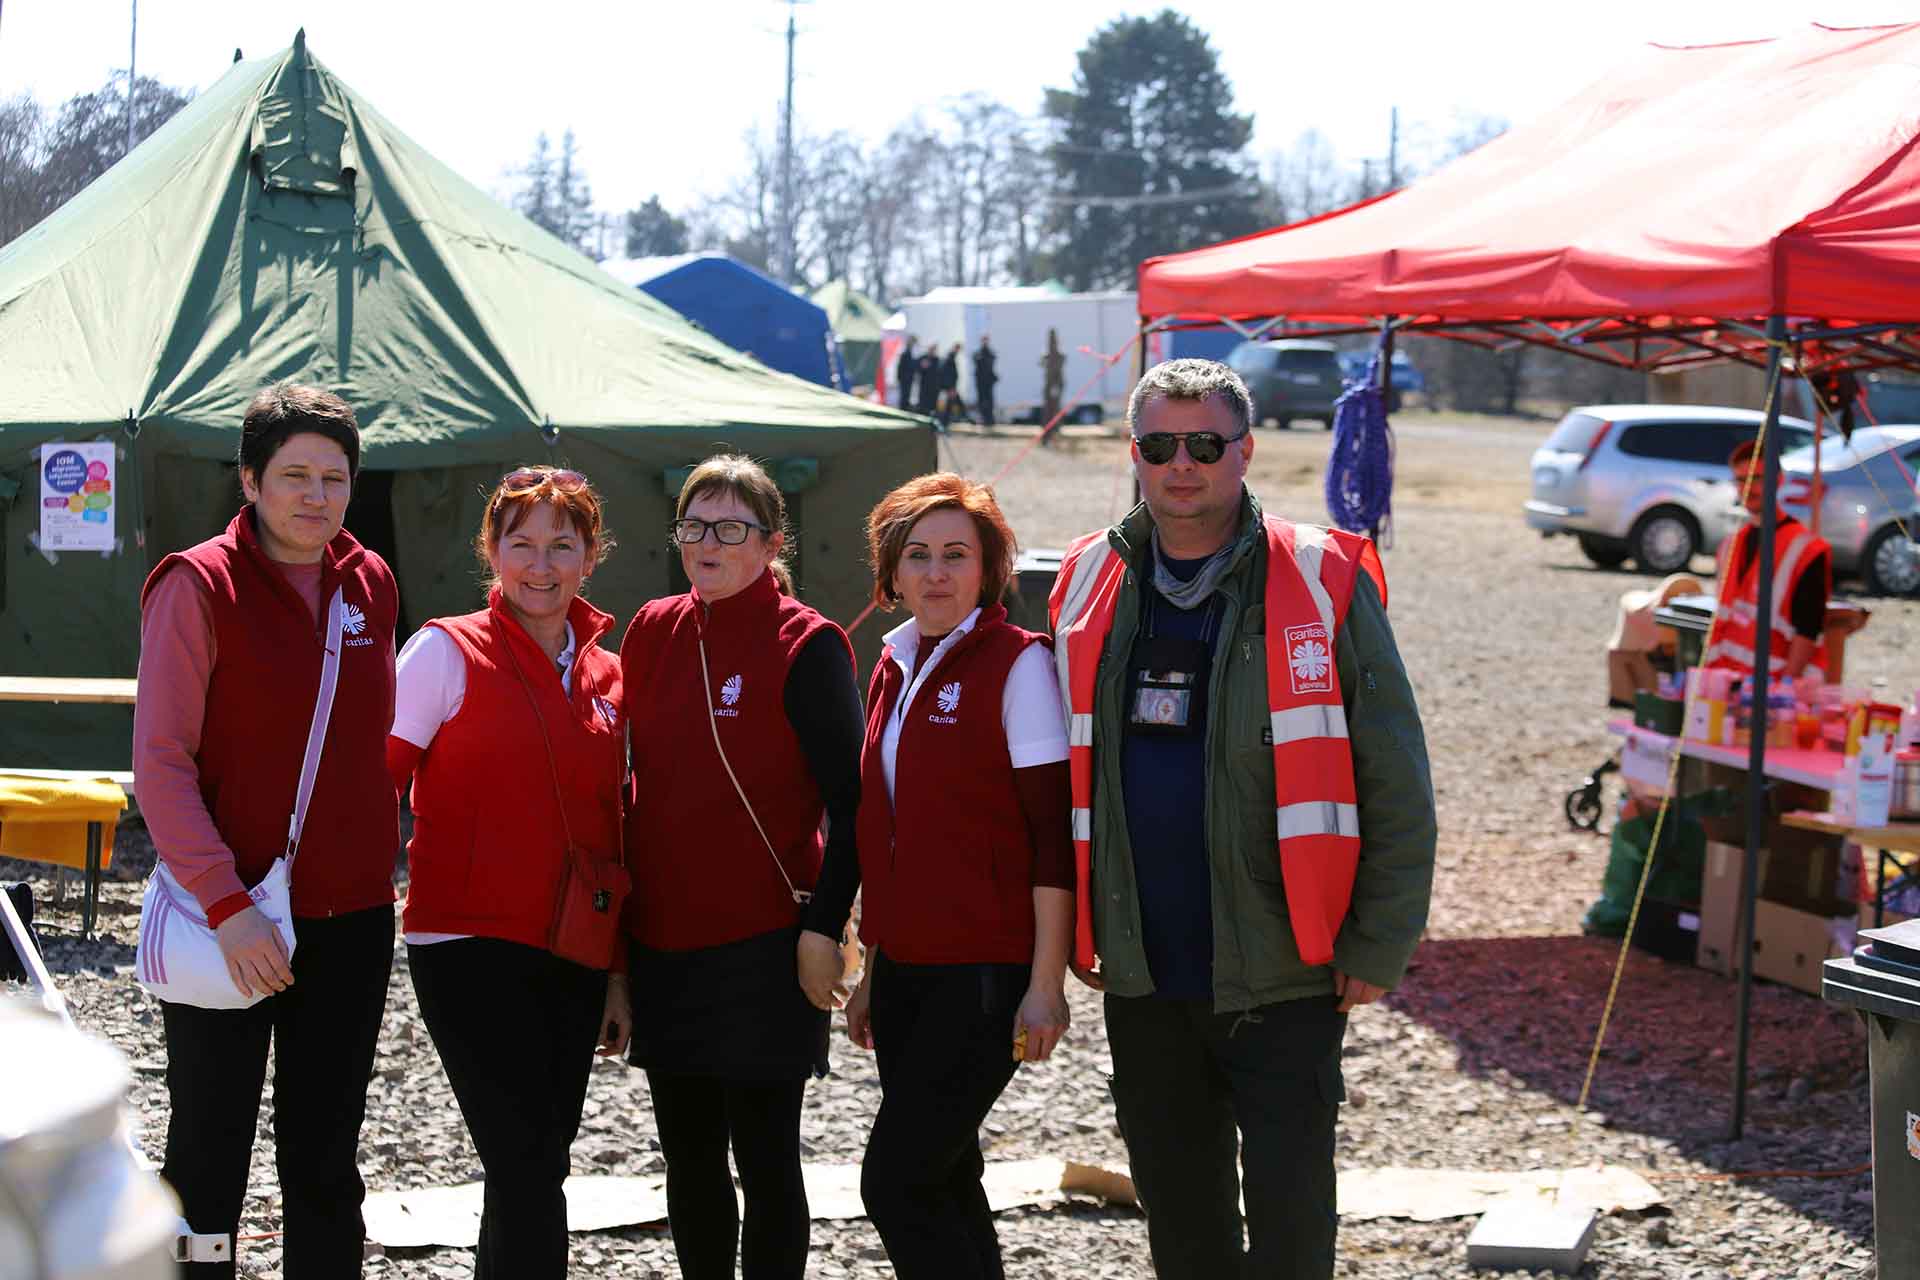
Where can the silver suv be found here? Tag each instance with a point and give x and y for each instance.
(1641, 481)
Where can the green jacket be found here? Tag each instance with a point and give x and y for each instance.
(1255, 961)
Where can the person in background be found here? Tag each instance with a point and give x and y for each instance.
(1254, 829)
(965, 866)
(950, 403)
(983, 379)
(231, 650)
(927, 375)
(1053, 373)
(1802, 581)
(745, 728)
(508, 724)
(904, 371)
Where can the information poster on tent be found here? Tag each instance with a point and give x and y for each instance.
(76, 497)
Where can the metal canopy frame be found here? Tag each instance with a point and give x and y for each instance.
(1645, 343)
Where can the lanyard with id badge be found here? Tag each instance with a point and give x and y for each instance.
(1170, 672)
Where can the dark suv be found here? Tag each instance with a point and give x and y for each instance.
(1290, 378)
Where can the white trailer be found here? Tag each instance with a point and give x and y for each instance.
(1091, 326)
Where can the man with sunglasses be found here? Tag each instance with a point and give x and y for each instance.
(1253, 825)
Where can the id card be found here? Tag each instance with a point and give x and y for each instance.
(1163, 700)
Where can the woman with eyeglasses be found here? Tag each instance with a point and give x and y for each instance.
(508, 724)
(965, 865)
(745, 728)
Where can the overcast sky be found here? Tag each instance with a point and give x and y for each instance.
(660, 94)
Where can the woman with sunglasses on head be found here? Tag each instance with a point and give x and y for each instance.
(965, 864)
(745, 728)
(508, 723)
(233, 641)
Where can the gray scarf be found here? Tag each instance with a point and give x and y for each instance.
(1195, 592)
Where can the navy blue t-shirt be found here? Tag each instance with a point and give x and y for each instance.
(1164, 778)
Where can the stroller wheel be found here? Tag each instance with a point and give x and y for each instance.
(1583, 807)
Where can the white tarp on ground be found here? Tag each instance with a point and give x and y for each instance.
(450, 1216)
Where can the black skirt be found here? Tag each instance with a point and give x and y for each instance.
(734, 1011)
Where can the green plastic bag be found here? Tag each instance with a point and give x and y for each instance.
(1676, 869)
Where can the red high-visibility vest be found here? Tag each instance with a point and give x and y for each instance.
(1736, 623)
(1311, 573)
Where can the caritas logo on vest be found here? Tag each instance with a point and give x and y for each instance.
(729, 695)
(947, 699)
(354, 623)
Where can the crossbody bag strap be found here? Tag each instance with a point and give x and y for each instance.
(317, 731)
(553, 767)
(800, 896)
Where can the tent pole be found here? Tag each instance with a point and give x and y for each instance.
(1139, 372)
(1756, 721)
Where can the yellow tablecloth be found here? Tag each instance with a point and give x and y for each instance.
(45, 819)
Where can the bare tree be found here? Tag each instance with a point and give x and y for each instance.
(23, 201)
(46, 161)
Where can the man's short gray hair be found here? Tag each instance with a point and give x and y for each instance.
(1191, 380)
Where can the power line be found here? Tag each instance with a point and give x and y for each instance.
(1235, 191)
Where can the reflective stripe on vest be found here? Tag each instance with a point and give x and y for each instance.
(1310, 579)
(1736, 620)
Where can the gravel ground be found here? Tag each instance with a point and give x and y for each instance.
(1476, 1062)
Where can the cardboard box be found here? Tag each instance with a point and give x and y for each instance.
(1790, 946)
(1718, 948)
(1791, 933)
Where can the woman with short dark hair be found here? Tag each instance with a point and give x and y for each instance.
(231, 658)
(745, 730)
(965, 866)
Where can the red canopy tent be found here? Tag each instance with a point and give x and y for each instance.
(1655, 220)
(1758, 202)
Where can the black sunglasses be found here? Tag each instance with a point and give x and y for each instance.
(730, 533)
(1158, 447)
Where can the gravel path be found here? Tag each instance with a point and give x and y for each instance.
(1475, 1063)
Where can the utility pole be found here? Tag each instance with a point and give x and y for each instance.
(133, 47)
(786, 248)
(1393, 150)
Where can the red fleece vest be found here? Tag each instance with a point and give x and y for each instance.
(489, 841)
(702, 876)
(946, 870)
(260, 696)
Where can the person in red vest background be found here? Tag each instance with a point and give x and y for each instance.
(745, 729)
(231, 652)
(1802, 580)
(508, 724)
(965, 870)
(1253, 826)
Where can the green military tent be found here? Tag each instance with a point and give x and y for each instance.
(856, 320)
(280, 227)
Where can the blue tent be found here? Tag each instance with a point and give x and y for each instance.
(744, 309)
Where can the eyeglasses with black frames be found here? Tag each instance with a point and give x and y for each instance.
(730, 533)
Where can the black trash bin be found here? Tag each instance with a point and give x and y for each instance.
(1033, 575)
(1882, 981)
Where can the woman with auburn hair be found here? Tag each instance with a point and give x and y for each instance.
(965, 865)
(745, 729)
(234, 636)
(508, 723)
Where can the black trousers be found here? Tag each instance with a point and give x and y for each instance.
(323, 1030)
(1184, 1079)
(944, 1038)
(516, 1028)
(699, 1118)
(983, 400)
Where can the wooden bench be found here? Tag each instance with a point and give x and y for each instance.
(115, 690)
(96, 839)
